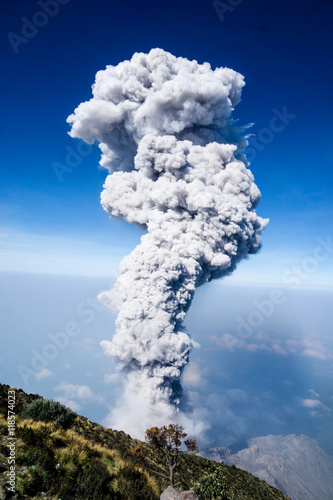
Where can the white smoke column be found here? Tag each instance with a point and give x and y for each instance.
(176, 170)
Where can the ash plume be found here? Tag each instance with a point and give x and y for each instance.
(177, 171)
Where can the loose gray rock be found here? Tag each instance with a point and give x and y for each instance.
(171, 494)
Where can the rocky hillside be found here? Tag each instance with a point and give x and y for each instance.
(71, 458)
(294, 464)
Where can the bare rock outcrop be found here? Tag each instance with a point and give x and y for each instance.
(172, 494)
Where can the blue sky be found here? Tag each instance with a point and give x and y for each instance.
(285, 54)
(57, 226)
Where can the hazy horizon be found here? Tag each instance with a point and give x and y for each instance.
(274, 380)
(264, 365)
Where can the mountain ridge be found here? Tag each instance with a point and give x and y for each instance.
(73, 457)
(293, 464)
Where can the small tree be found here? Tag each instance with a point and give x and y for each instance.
(169, 439)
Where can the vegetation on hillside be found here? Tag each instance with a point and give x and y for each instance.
(69, 457)
(47, 410)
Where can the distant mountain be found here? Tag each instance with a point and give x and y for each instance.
(294, 464)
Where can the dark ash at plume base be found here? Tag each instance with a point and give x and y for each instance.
(177, 171)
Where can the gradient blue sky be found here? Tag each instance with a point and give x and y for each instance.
(285, 51)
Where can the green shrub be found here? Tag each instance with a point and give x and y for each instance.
(47, 410)
(41, 456)
(90, 481)
(28, 435)
(213, 487)
(31, 482)
(133, 485)
(3, 450)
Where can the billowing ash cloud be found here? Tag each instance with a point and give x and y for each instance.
(176, 170)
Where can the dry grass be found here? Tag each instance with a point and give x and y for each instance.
(96, 463)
